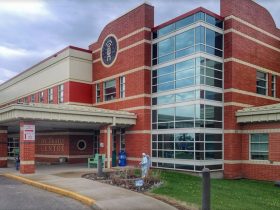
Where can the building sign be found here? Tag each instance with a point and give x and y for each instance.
(29, 132)
(109, 50)
(50, 145)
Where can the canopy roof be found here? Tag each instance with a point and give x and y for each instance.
(64, 116)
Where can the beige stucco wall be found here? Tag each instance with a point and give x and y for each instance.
(68, 65)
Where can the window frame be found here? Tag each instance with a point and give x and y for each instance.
(41, 97)
(266, 82)
(97, 93)
(32, 98)
(50, 95)
(60, 93)
(250, 146)
(122, 87)
(104, 90)
(273, 85)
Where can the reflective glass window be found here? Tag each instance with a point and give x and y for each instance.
(214, 21)
(184, 113)
(214, 39)
(166, 46)
(214, 73)
(185, 39)
(165, 70)
(165, 86)
(199, 16)
(185, 96)
(200, 35)
(184, 137)
(165, 78)
(213, 113)
(166, 30)
(165, 99)
(185, 82)
(212, 64)
(184, 52)
(166, 58)
(213, 96)
(185, 65)
(184, 22)
(185, 73)
(165, 115)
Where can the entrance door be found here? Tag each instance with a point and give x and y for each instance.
(13, 147)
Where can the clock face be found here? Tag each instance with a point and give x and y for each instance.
(109, 50)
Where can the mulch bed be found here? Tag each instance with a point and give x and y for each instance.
(123, 180)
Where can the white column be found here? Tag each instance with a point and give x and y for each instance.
(109, 147)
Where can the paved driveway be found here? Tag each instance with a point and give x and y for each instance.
(15, 195)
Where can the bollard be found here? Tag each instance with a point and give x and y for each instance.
(205, 189)
(99, 168)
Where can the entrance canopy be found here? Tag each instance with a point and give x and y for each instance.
(58, 116)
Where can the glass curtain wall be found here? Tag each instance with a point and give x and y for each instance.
(187, 94)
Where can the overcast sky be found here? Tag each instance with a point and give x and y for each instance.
(31, 30)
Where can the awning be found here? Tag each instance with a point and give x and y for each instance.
(268, 113)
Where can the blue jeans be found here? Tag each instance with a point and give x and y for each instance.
(17, 165)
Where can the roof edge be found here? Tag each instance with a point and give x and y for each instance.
(199, 9)
(44, 60)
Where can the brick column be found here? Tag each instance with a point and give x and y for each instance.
(106, 143)
(27, 150)
(3, 147)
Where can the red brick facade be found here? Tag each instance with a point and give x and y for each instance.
(133, 61)
(251, 43)
(3, 146)
(50, 147)
(247, 49)
(27, 151)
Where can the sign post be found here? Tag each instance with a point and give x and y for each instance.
(29, 132)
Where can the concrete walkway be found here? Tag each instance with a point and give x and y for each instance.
(106, 196)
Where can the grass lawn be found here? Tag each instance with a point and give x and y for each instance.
(225, 194)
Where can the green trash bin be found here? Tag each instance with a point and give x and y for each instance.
(114, 158)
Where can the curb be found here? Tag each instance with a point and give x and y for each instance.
(83, 199)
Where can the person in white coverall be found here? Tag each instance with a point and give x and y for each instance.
(144, 165)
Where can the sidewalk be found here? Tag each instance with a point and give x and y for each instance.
(106, 196)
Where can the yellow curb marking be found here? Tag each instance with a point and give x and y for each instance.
(83, 199)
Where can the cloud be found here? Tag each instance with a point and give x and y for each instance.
(16, 53)
(29, 9)
(7, 52)
(6, 74)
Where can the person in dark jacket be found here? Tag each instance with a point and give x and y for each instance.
(17, 162)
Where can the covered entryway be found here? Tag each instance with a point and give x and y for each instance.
(36, 125)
